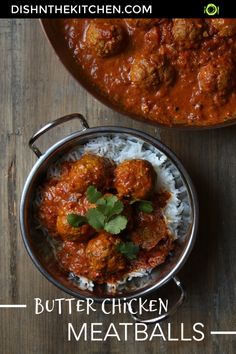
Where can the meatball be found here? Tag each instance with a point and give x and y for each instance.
(224, 27)
(217, 76)
(151, 72)
(89, 170)
(148, 236)
(135, 179)
(155, 256)
(67, 231)
(187, 32)
(102, 254)
(104, 38)
(48, 208)
(72, 257)
(144, 23)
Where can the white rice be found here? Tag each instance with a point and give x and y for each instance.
(177, 210)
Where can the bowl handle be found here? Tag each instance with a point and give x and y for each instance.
(53, 124)
(167, 314)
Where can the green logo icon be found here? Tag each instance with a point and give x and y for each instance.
(211, 10)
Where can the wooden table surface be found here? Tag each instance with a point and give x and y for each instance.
(35, 88)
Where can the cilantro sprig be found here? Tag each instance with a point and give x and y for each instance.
(128, 249)
(110, 205)
(92, 194)
(143, 205)
(76, 220)
(116, 224)
(105, 215)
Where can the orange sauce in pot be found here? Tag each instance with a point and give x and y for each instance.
(169, 71)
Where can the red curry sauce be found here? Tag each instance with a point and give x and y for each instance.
(170, 71)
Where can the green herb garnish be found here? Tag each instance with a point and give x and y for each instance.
(92, 194)
(106, 215)
(76, 220)
(96, 219)
(116, 224)
(110, 205)
(145, 206)
(128, 249)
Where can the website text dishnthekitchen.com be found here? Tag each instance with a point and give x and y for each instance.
(83, 9)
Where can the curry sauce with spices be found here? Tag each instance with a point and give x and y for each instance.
(168, 71)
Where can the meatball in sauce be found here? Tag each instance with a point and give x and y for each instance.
(105, 39)
(158, 69)
(70, 187)
(64, 229)
(135, 179)
(99, 248)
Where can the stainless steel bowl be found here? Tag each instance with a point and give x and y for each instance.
(40, 250)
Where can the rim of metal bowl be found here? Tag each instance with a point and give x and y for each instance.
(152, 141)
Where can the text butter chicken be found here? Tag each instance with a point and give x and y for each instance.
(169, 71)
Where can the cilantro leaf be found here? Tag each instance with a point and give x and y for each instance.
(145, 206)
(76, 220)
(110, 205)
(116, 225)
(128, 249)
(106, 214)
(117, 208)
(93, 194)
(102, 205)
(96, 219)
(111, 200)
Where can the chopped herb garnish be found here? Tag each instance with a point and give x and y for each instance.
(110, 205)
(106, 214)
(92, 194)
(96, 219)
(76, 220)
(116, 224)
(128, 249)
(145, 206)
